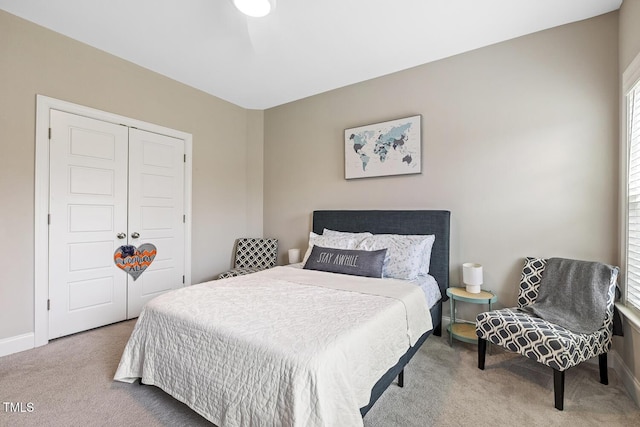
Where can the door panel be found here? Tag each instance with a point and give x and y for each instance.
(158, 280)
(91, 218)
(86, 294)
(88, 207)
(91, 181)
(89, 256)
(156, 209)
(92, 143)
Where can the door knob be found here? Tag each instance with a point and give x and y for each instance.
(135, 235)
(121, 235)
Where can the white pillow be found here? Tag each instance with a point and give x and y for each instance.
(407, 256)
(346, 234)
(426, 256)
(336, 242)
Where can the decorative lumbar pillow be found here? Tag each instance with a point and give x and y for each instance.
(346, 261)
(337, 242)
(406, 255)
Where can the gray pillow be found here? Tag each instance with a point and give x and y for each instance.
(346, 261)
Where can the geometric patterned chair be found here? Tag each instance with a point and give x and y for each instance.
(252, 255)
(542, 341)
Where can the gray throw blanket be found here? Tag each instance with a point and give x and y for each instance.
(573, 294)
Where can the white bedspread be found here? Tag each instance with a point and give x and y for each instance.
(284, 347)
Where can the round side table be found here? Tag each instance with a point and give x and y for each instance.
(466, 331)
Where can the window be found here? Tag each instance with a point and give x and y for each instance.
(630, 194)
(632, 286)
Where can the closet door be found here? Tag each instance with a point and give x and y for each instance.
(110, 186)
(156, 212)
(88, 221)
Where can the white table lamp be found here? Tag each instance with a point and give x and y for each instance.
(472, 276)
(294, 256)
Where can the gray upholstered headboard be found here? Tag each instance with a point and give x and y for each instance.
(396, 222)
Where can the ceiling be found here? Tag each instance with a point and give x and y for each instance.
(304, 47)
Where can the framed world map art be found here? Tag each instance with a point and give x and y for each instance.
(382, 149)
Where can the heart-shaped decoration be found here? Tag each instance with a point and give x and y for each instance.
(135, 260)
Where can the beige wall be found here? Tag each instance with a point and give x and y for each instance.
(519, 141)
(628, 347)
(37, 61)
(255, 172)
(629, 32)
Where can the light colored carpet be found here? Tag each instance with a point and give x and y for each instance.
(69, 382)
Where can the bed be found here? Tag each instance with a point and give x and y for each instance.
(290, 346)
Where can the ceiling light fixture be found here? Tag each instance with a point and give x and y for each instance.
(255, 8)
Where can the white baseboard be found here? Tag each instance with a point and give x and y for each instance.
(630, 382)
(16, 344)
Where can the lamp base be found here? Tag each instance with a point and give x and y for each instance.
(473, 289)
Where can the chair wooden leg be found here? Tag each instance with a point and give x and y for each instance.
(604, 375)
(482, 351)
(401, 378)
(558, 388)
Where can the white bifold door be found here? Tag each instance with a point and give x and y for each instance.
(110, 185)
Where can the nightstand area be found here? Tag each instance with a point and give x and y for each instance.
(466, 331)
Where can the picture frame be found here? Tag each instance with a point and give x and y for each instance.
(383, 149)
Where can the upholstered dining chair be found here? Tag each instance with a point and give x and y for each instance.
(253, 255)
(520, 331)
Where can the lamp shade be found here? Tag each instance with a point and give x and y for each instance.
(472, 276)
(255, 8)
(294, 256)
